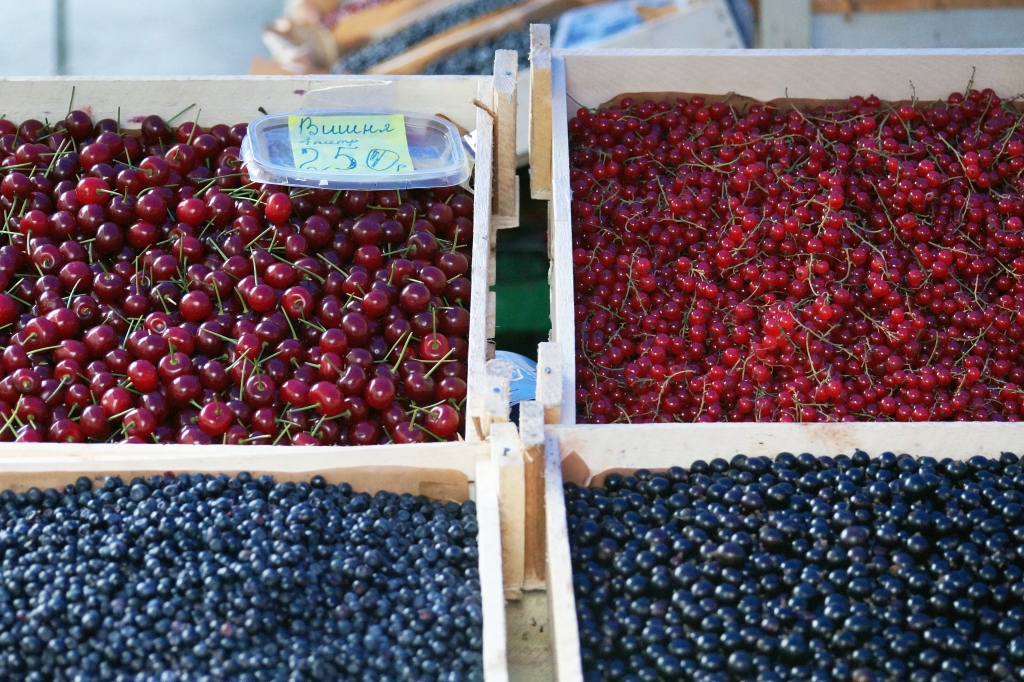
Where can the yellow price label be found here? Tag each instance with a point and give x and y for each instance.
(350, 144)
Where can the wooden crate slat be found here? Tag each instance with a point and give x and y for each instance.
(594, 77)
(618, 447)
(565, 635)
(370, 469)
(563, 325)
(504, 104)
(531, 435)
(540, 111)
(482, 242)
(507, 456)
(225, 99)
(491, 578)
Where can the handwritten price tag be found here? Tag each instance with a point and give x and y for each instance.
(356, 144)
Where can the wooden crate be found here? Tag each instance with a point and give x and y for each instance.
(473, 103)
(591, 78)
(584, 455)
(441, 471)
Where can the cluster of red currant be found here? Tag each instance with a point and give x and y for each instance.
(153, 293)
(840, 263)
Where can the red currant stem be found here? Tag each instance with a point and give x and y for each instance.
(437, 363)
(171, 119)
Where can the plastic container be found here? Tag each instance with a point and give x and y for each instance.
(355, 149)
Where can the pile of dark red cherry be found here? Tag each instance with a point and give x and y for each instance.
(153, 293)
(845, 569)
(857, 262)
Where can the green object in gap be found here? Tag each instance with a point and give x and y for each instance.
(523, 302)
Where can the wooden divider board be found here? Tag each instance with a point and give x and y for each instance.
(451, 468)
(591, 78)
(584, 455)
(375, 467)
(564, 628)
(540, 111)
(221, 99)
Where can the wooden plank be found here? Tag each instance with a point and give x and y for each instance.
(478, 309)
(472, 33)
(844, 6)
(549, 381)
(503, 222)
(355, 30)
(617, 447)
(83, 457)
(785, 23)
(565, 637)
(594, 77)
(491, 588)
(528, 637)
(497, 377)
(507, 455)
(492, 255)
(504, 98)
(540, 111)
(222, 99)
(531, 436)
(492, 312)
(563, 325)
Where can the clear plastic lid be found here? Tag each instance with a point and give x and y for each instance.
(355, 149)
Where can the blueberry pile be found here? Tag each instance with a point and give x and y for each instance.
(363, 59)
(803, 568)
(478, 60)
(214, 578)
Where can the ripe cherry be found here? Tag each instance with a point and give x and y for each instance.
(215, 418)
